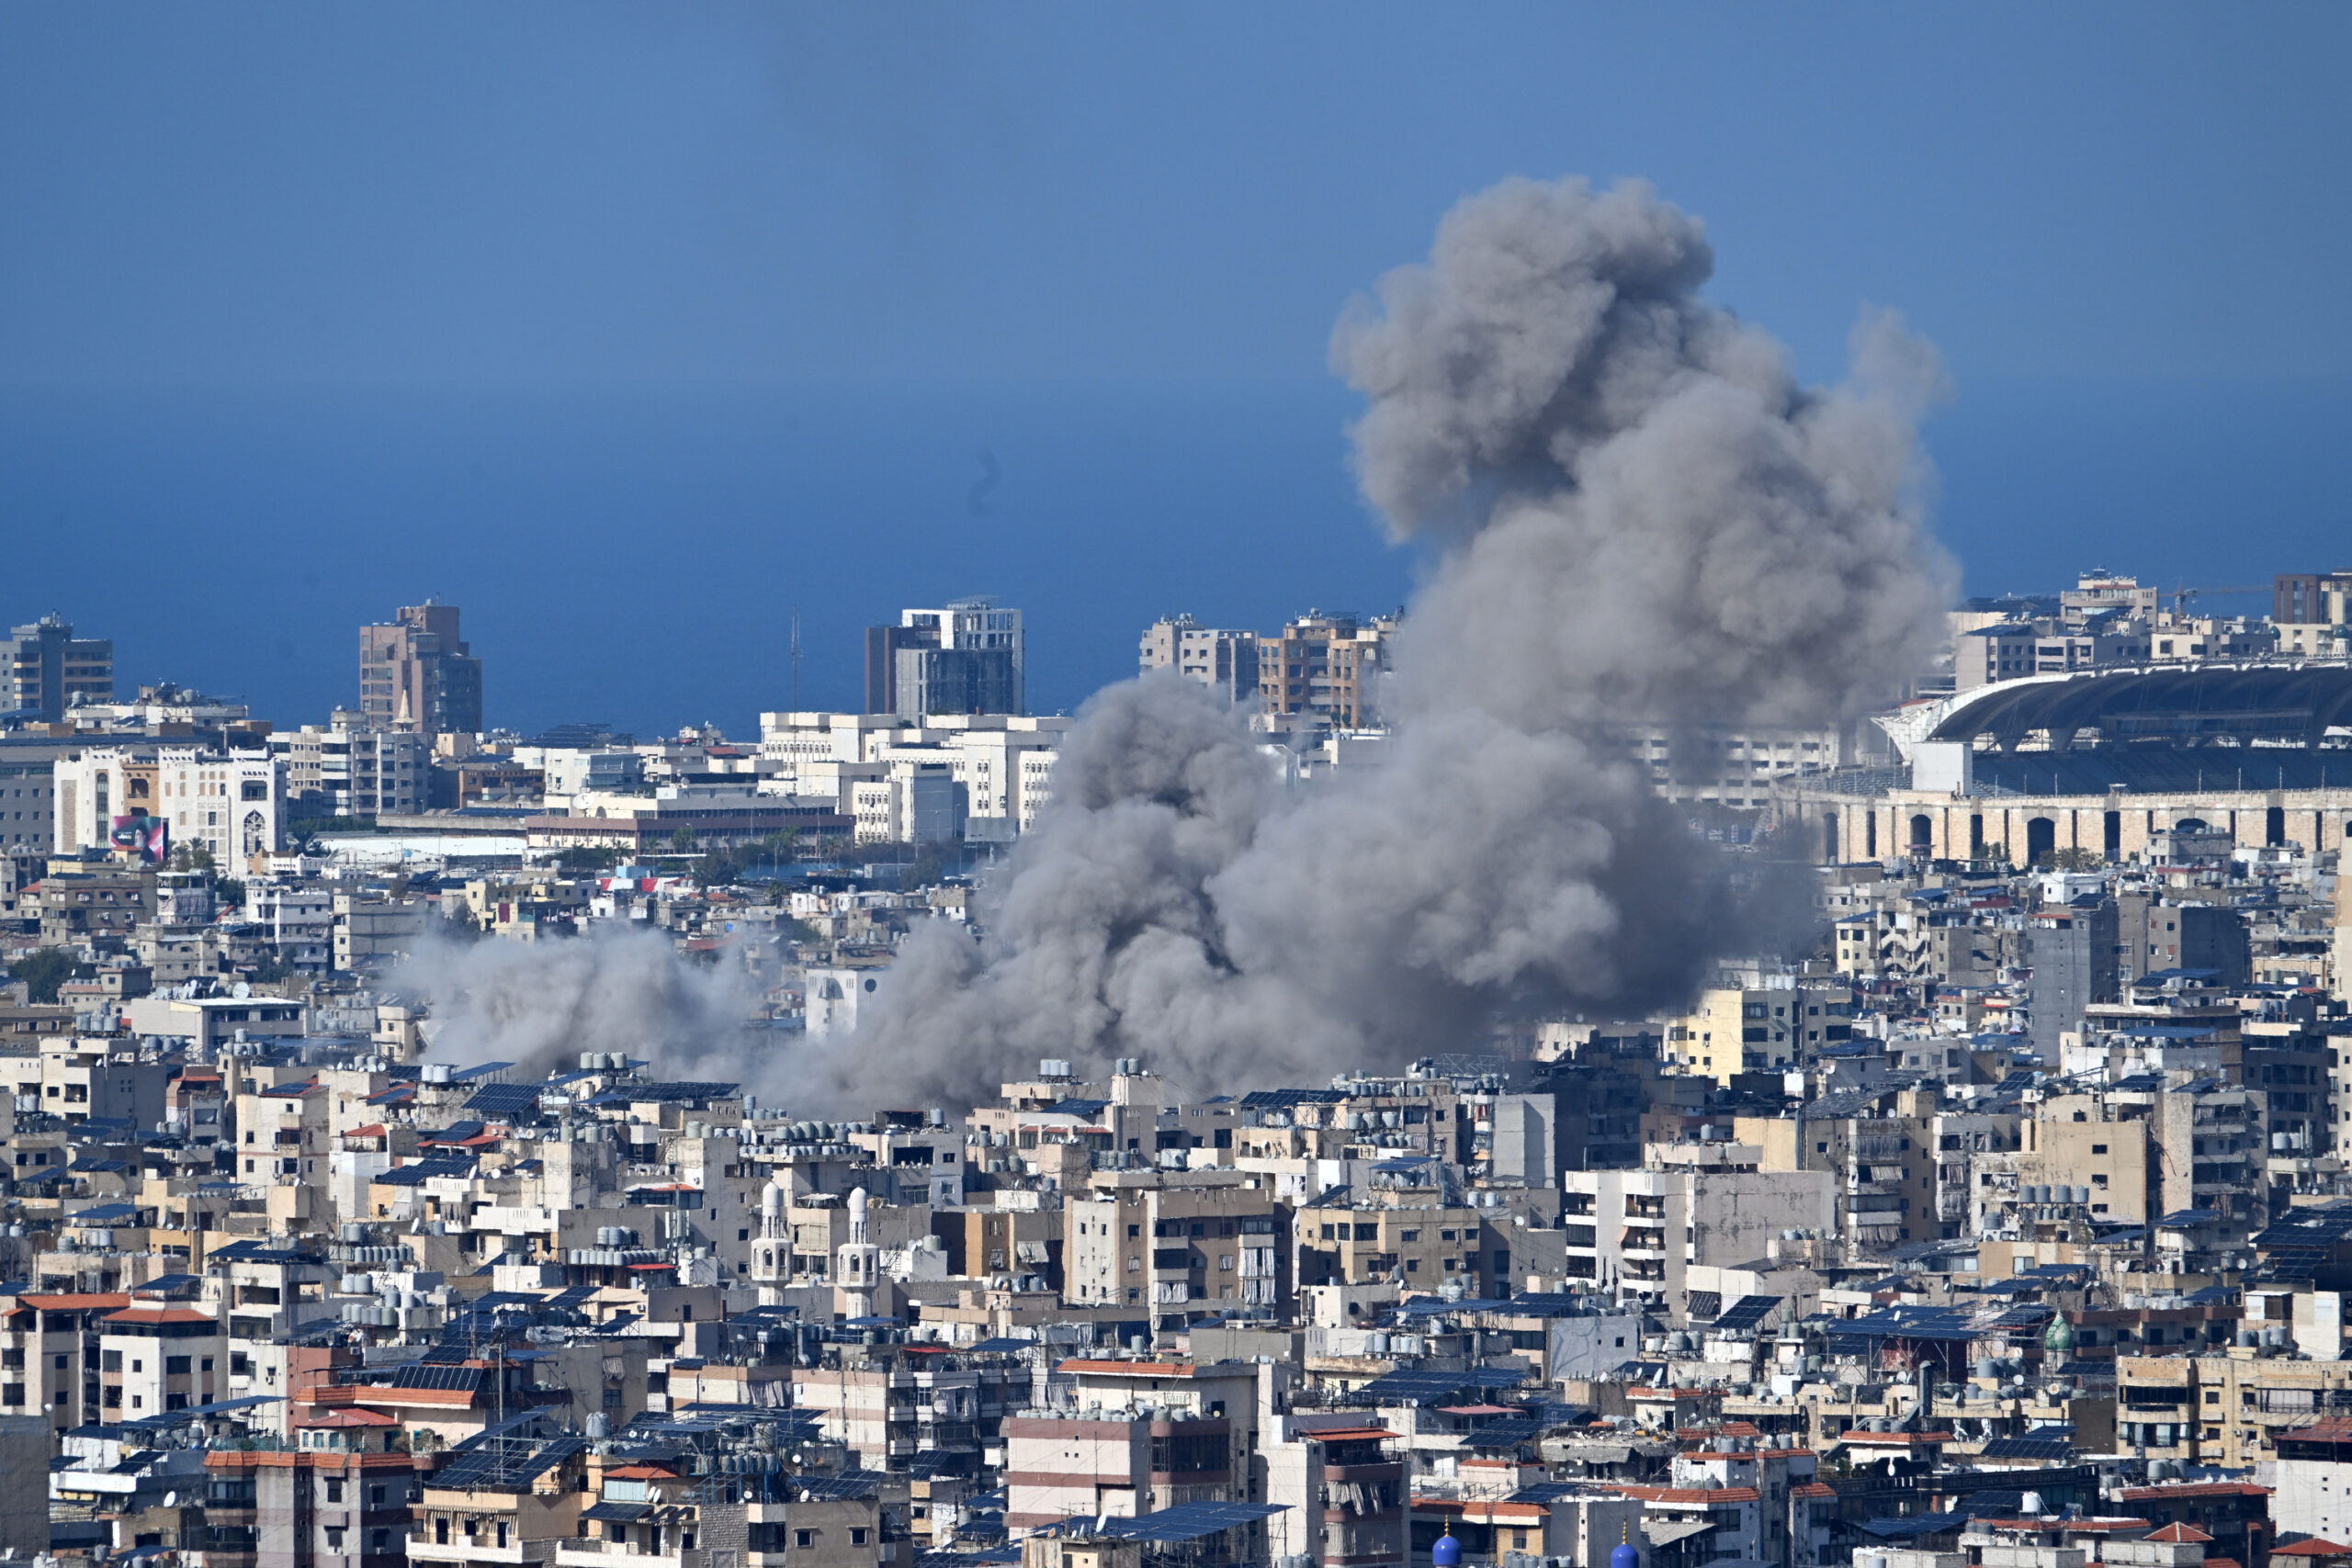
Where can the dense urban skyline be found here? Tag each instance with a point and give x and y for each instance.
(1040, 787)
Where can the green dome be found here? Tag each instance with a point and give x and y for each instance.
(2060, 1339)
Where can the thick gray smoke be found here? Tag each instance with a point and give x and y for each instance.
(1643, 517)
(540, 1004)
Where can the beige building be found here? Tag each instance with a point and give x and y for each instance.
(1184, 1248)
(1226, 662)
(1325, 666)
(2018, 831)
(1733, 1029)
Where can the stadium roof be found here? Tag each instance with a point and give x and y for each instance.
(2186, 708)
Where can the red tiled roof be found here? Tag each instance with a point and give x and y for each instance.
(1692, 1494)
(1895, 1439)
(2177, 1535)
(2336, 1430)
(2194, 1489)
(2311, 1546)
(158, 1314)
(71, 1301)
(1812, 1489)
(352, 1418)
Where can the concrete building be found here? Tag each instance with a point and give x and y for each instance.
(1717, 766)
(1646, 1227)
(1177, 1250)
(228, 803)
(1732, 1030)
(1326, 666)
(347, 769)
(417, 672)
(2072, 953)
(45, 668)
(1223, 661)
(967, 657)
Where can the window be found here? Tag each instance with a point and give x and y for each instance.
(2098, 1148)
(804, 1540)
(335, 1538)
(334, 1491)
(175, 1366)
(857, 1534)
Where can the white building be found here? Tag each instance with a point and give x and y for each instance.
(1647, 1227)
(300, 922)
(230, 803)
(833, 997)
(1003, 761)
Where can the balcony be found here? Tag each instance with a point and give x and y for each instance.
(480, 1549)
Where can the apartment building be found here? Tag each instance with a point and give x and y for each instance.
(45, 668)
(417, 672)
(1647, 1227)
(1326, 666)
(1223, 661)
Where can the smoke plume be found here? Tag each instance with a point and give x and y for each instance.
(540, 1004)
(1641, 517)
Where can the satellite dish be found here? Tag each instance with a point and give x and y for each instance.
(171, 1499)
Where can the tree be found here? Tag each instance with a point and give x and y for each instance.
(230, 891)
(2073, 858)
(43, 970)
(683, 840)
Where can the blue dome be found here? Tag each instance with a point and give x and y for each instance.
(1447, 1552)
(1626, 1556)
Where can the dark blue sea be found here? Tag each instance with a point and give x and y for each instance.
(634, 556)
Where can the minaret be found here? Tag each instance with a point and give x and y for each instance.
(858, 1266)
(772, 1258)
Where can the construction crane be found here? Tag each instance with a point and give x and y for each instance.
(2182, 595)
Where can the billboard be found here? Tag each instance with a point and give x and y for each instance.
(147, 838)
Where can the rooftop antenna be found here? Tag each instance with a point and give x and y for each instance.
(796, 658)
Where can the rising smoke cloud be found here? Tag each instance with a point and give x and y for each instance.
(1641, 516)
(538, 1005)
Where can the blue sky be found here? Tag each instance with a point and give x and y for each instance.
(2126, 227)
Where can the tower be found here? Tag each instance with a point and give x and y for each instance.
(772, 1256)
(857, 1267)
(417, 672)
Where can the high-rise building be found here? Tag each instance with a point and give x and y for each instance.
(43, 667)
(964, 658)
(1224, 661)
(2070, 952)
(2311, 597)
(1327, 666)
(415, 673)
